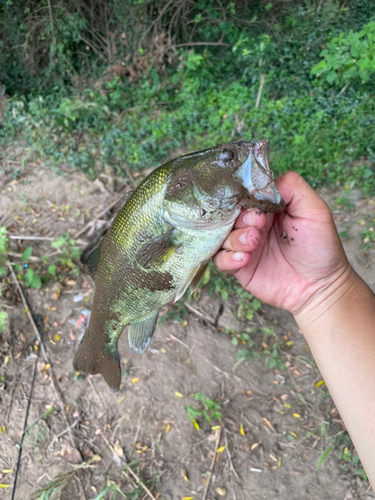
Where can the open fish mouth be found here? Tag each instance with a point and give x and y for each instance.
(257, 177)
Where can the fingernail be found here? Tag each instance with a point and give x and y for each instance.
(243, 238)
(238, 256)
(249, 218)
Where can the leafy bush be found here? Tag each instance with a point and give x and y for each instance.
(348, 56)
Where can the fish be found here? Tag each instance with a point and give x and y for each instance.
(162, 240)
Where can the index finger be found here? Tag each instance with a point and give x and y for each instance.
(251, 218)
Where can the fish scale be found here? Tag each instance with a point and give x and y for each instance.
(161, 242)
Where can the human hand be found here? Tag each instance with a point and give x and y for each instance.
(296, 256)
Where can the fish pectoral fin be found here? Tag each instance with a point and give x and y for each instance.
(140, 333)
(198, 275)
(90, 263)
(157, 250)
(192, 277)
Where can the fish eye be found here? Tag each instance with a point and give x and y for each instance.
(226, 155)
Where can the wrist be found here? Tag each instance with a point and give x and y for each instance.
(330, 300)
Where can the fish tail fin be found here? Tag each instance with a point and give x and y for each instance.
(91, 357)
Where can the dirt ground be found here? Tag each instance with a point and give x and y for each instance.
(276, 425)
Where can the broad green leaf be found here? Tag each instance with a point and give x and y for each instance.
(36, 281)
(27, 253)
(52, 269)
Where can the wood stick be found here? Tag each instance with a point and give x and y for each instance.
(24, 429)
(123, 458)
(218, 436)
(204, 316)
(44, 354)
(260, 90)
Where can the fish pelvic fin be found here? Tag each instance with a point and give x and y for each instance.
(91, 357)
(140, 333)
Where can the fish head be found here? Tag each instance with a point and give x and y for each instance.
(211, 186)
(256, 176)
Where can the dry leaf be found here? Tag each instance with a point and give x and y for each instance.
(221, 491)
(267, 422)
(118, 449)
(254, 445)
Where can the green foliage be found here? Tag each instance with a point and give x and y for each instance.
(3, 249)
(217, 282)
(348, 56)
(209, 98)
(207, 409)
(323, 457)
(270, 351)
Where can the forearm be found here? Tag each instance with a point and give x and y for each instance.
(340, 331)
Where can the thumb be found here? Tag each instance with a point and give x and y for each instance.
(300, 199)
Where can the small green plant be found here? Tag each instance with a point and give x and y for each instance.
(3, 249)
(270, 350)
(69, 250)
(344, 202)
(112, 487)
(207, 409)
(368, 239)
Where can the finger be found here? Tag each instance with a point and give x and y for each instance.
(300, 198)
(230, 262)
(253, 218)
(243, 240)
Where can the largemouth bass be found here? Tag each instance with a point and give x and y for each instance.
(162, 240)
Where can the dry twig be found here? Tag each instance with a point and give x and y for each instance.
(218, 436)
(229, 455)
(123, 458)
(24, 429)
(203, 316)
(138, 425)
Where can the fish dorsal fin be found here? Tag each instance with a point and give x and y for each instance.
(90, 263)
(157, 250)
(140, 333)
(194, 284)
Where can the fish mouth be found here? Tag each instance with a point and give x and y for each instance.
(257, 178)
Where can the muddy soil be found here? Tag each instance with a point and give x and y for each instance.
(276, 426)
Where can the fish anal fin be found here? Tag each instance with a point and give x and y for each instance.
(140, 333)
(92, 357)
(90, 263)
(156, 251)
(194, 284)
